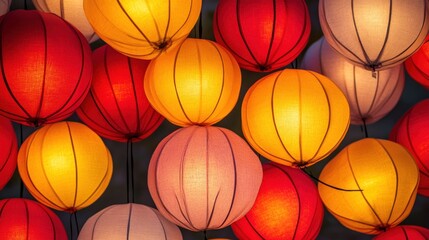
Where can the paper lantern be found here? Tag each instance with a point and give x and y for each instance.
(370, 98)
(288, 206)
(142, 29)
(65, 166)
(46, 68)
(129, 221)
(116, 106)
(262, 35)
(8, 151)
(197, 83)
(404, 233)
(26, 219)
(374, 34)
(295, 117)
(72, 12)
(4, 6)
(203, 178)
(418, 64)
(382, 180)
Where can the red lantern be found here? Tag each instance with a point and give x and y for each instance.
(288, 206)
(116, 107)
(262, 35)
(8, 151)
(418, 64)
(46, 67)
(404, 233)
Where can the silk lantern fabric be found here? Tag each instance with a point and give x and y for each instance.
(65, 166)
(406, 232)
(370, 98)
(418, 65)
(295, 117)
(288, 206)
(116, 106)
(4, 6)
(142, 29)
(26, 219)
(8, 151)
(204, 177)
(262, 35)
(381, 178)
(129, 221)
(374, 34)
(46, 68)
(196, 83)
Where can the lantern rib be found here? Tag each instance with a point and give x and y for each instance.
(253, 228)
(300, 118)
(50, 220)
(380, 54)
(75, 164)
(27, 220)
(368, 62)
(130, 209)
(351, 220)
(62, 9)
(273, 29)
(175, 85)
(160, 223)
(164, 38)
(399, 218)
(411, 142)
(405, 232)
(9, 154)
(138, 127)
(98, 218)
(213, 209)
(207, 181)
(185, 216)
(42, 91)
(386, 100)
(184, 23)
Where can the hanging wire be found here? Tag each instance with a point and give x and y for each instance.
(364, 128)
(76, 222)
(310, 174)
(205, 235)
(25, 5)
(71, 226)
(200, 25)
(132, 171)
(128, 171)
(73, 216)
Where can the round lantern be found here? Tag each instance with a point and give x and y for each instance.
(371, 33)
(418, 64)
(142, 29)
(129, 221)
(116, 106)
(65, 166)
(197, 83)
(46, 67)
(203, 178)
(288, 206)
(380, 179)
(404, 233)
(4, 6)
(262, 35)
(8, 151)
(370, 98)
(295, 117)
(71, 11)
(26, 219)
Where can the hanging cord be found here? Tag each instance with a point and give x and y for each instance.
(130, 172)
(25, 5)
(200, 25)
(308, 172)
(364, 128)
(205, 235)
(74, 215)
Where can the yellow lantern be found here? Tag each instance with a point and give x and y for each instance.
(295, 117)
(383, 178)
(197, 83)
(65, 166)
(142, 29)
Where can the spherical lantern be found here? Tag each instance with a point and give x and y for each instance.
(262, 35)
(405, 232)
(197, 83)
(379, 180)
(418, 64)
(288, 206)
(46, 67)
(129, 221)
(295, 117)
(371, 33)
(203, 178)
(142, 29)
(116, 106)
(26, 219)
(65, 166)
(370, 98)
(4, 6)
(8, 151)
(71, 11)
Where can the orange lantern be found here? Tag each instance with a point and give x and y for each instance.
(295, 117)
(381, 178)
(405, 232)
(8, 151)
(204, 177)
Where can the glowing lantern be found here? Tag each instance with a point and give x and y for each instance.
(129, 221)
(404, 233)
(65, 166)
(418, 64)
(204, 177)
(371, 33)
(197, 83)
(27, 219)
(262, 35)
(8, 151)
(116, 106)
(4, 6)
(142, 29)
(46, 67)
(370, 98)
(382, 180)
(288, 206)
(295, 117)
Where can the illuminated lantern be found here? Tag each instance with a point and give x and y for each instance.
(71, 11)
(65, 166)
(405, 232)
(4, 6)
(204, 177)
(288, 206)
(295, 117)
(197, 83)
(116, 106)
(262, 35)
(46, 67)
(381, 178)
(8, 151)
(142, 29)
(418, 64)
(370, 98)
(129, 221)
(26, 219)
(371, 33)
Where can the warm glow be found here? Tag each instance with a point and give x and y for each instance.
(404, 232)
(8, 151)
